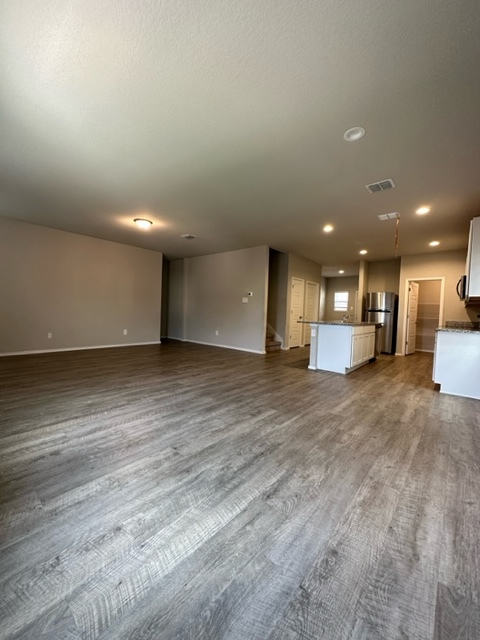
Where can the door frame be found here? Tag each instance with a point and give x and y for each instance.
(405, 305)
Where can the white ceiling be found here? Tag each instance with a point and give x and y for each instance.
(225, 119)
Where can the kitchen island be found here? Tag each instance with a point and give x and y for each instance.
(456, 364)
(341, 347)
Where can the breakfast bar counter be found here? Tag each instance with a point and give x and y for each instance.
(341, 347)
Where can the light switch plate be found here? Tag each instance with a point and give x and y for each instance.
(245, 300)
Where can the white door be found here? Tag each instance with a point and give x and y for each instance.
(412, 308)
(311, 308)
(296, 311)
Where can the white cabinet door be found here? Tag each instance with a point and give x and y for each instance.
(369, 344)
(357, 349)
(457, 363)
(365, 348)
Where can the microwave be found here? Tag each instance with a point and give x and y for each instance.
(462, 288)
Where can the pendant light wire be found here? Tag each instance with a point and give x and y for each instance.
(397, 224)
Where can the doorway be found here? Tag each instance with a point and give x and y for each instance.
(412, 310)
(424, 310)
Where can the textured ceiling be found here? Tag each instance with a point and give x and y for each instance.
(225, 120)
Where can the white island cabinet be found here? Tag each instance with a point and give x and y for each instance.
(341, 347)
(456, 364)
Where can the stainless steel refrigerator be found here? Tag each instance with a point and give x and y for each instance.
(382, 307)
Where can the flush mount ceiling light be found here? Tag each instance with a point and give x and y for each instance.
(353, 134)
(434, 243)
(363, 252)
(422, 211)
(327, 228)
(143, 223)
(388, 216)
(341, 271)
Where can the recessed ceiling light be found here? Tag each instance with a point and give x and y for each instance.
(363, 252)
(434, 243)
(143, 223)
(341, 271)
(327, 228)
(422, 211)
(353, 134)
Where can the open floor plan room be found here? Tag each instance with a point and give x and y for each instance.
(182, 491)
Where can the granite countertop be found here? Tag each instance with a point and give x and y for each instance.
(458, 330)
(460, 326)
(340, 323)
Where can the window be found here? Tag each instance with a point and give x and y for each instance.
(340, 301)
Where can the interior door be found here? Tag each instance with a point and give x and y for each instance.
(311, 308)
(296, 311)
(412, 310)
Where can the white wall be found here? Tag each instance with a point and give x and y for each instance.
(447, 264)
(212, 288)
(83, 290)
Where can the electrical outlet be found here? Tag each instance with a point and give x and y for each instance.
(125, 331)
(49, 335)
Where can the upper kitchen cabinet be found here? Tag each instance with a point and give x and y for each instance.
(473, 264)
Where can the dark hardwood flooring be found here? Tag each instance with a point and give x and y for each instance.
(187, 492)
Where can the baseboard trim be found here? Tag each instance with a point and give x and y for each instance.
(225, 346)
(99, 346)
(457, 395)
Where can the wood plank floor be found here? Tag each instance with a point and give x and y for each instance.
(188, 492)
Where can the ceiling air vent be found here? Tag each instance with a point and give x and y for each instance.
(383, 185)
(389, 216)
